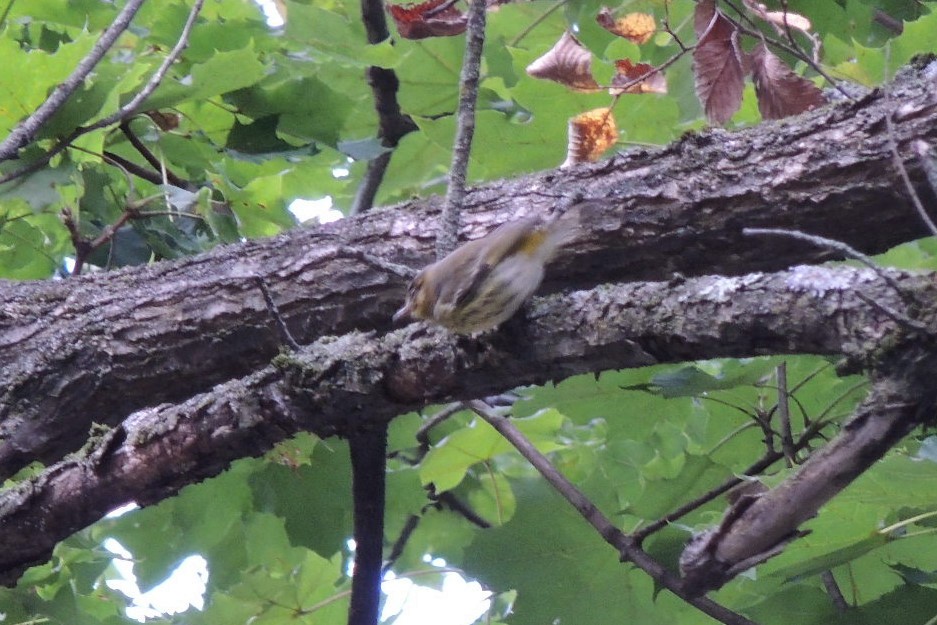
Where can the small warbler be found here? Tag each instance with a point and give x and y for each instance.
(483, 282)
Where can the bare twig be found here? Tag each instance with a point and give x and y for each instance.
(84, 247)
(626, 545)
(130, 107)
(459, 507)
(903, 172)
(539, 20)
(784, 415)
(275, 313)
(27, 129)
(422, 434)
(401, 271)
(832, 589)
(448, 233)
(39, 163)
(409, 526)
(123, 113)
(150, 158)
(794, 51)
(850, 252)
(133, 168)
(393, 123)
(843, 248)
(770, 457)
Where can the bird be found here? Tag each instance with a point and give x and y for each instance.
(482, 283)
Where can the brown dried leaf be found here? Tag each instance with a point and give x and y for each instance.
(718, 67)
(649, 78)
(778, 19)
(636, 27)
(793, 20)
(420, 21)
(590, 134)
(780, 91)
(165, 121)
(568, 63)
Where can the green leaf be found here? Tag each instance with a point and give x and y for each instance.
(223, 73)
(447, 463)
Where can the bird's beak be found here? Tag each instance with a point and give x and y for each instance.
(403, 315)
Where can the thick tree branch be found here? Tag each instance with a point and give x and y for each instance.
(106, 345)
(359, 380)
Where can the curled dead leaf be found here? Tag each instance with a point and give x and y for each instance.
(166, 121)
(637, 78)
(718, 63)
(568, 62)
(779, 19)
(780, 91)
(636, 27)
(590, 134)
(419, 21)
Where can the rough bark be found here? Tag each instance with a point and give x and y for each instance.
(99, 347)
(361, 379)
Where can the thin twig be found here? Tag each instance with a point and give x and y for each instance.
(27, 129)
(422, 434)
(794, 51)
(400, 544)
(401, 271)
(130, 107)
(131, 167)
(447, 235)
(458, 506)
(150, 158)
(784, 415)
(539, 20)
(393, 124)
(832, 589)
(370, 183)
(275, 313)
(843, 248)
(850, 252)
(769, 458)
(903, 172)
(627, 547)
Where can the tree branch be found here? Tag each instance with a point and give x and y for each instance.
(393, 124)
(651, 214)
(447, 235)
(130, 107)
(365, 380)
(629, 549)
(903, 397)
(26, 130)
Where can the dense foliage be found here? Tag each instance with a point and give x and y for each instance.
(253, 117)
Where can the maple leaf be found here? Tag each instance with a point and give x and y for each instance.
(590, 134)
(649, 78)
(780, 91)
(568, 62)
(636, 27)
(419, 21)
(718, 63)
